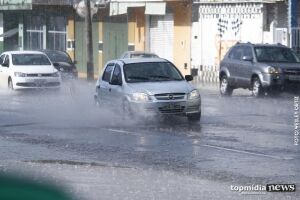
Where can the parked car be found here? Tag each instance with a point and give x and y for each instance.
(27, 69)
(138, 54)
(262, 68)
(63, 63)
(147, 86)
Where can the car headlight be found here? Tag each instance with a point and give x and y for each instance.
(194, 94)
(273, 70)
(56, 74)
(140, 97)
(20, 74)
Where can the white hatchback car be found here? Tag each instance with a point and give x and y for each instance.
(27, 69)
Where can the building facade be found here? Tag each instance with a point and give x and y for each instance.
(219, 24)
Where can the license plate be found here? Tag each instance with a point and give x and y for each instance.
(294, 78)
(171, 106)
(39, 81)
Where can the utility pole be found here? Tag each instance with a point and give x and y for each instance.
(89, 41)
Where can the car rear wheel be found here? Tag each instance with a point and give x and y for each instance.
(194, 117)
(225, 89)
(257, 89)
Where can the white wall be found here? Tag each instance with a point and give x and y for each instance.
(241, 22)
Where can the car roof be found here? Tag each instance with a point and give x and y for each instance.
(51, 50)
(263, 45)
(141, 60)
(23, 52)
(139, 52)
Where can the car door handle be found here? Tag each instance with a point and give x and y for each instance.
(109, 89)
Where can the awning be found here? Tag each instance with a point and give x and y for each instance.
(151, 8)
(10, 33)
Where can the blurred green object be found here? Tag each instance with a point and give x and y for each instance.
(17, 188)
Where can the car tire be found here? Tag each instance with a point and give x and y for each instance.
(257, 89)
(194, 117)
(10, 84)
(225, 89)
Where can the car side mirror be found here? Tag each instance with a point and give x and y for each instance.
(56, 65)
(75, 62)
(189, 77)
(247, 58)
(115, 81)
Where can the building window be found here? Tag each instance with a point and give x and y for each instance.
(57, 33)
(34, 32)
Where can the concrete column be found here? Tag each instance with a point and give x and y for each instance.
(21, 33)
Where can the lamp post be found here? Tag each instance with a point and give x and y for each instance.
(89, 41)
(86, 9)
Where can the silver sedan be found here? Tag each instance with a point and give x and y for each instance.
(148, 86)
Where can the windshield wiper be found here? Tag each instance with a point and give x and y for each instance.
(166, 77)
(160, 77)
(138, 78)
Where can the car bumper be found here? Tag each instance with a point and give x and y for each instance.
(36, 82)
(280, 81)
(182, 107)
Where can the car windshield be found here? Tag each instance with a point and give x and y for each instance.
(276, 54)
(30, 59)
(57, 56)
(150, 72)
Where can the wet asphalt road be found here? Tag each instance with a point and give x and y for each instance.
(239, 141)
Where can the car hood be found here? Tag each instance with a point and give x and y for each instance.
(284, 65)
(153, 88)
(35, 69)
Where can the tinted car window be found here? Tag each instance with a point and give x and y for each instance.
(247, 51)
(236, 53)
(275, 54)
(2, 58)
(58, 56)
(152, 71)
(107, 73)
(30, 59)
(117, 73)
(6, 61)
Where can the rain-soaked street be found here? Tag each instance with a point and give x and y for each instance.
(96, 154)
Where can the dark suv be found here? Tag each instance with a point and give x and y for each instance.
(262, 68)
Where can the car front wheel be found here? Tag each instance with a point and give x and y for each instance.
(225, 89)
(194, 117)
(257, 89)
(10, 84)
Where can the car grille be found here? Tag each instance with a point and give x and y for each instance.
(39, 75)
(292, 71)
(169, 96)
(171, 110)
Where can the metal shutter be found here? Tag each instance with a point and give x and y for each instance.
(162, 35)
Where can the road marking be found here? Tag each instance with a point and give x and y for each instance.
(215, 147)
(247, 152)
(121, 131)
